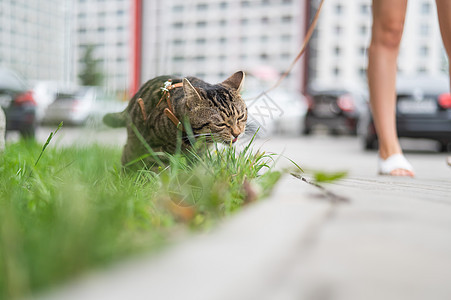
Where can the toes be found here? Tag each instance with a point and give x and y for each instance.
(402, 172)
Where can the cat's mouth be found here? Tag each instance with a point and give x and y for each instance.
(234, 140)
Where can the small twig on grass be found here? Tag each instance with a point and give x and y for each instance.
(334, 198)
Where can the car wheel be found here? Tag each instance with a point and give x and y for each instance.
(334, 132)
(370, 144)
(353, 131)
(28, 132)
(369, 140)
(444, 146)
(307, 130)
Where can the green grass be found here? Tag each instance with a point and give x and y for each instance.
(64, 211)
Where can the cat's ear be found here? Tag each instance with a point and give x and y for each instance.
(235, 81)
(191, 94)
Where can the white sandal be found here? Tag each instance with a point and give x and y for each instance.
(394, 162)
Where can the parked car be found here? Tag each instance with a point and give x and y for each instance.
(18, 104)
(336, 108)
(423, 110)
(73, 107)
(280, 112)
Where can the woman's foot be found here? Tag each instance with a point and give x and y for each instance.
(395, 165)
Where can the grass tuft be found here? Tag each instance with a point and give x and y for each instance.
(64, 211)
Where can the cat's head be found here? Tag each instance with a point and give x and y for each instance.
(216, 111)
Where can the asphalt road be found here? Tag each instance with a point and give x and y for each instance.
(319, 152)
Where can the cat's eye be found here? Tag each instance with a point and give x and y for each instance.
(222, 125)
(240, 118)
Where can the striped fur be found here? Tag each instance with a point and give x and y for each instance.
(214, 111)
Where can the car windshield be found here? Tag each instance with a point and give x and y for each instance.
(65, 96)
(69, 95)
(10, 81)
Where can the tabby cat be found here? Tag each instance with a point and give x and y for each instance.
(215, 111)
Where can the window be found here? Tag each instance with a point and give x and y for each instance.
(199, 58)
(424, 51)
(363, 30)
(201, 41)
(424, 29)
(422, 70)
(177, 25)
(201, 24)
(364, 9)
(286, 19)
(362, 72)
(425, 8)
(178, 42)
(338, 29)
(202, 6)
(338, 9)
(285, 37)
(362, 51)
(245, 4)
(177, 8)
(285, 55)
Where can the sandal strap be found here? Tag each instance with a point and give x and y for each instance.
(393, 162)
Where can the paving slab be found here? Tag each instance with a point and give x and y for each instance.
(393, 241)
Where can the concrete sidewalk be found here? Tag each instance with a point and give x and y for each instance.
(391, 240)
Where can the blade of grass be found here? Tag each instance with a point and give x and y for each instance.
(51, 135)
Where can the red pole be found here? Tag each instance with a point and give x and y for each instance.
(305, 64)
(136, 15)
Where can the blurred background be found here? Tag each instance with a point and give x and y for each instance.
(74, 60)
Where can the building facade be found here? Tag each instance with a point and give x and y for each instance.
(213, 39)
(106, 25)
(46, 39)
(34, 40)
(338, 50)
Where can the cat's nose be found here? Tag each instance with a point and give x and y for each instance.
(235, 132)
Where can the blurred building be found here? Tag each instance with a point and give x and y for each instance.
(34, 40)
(107, 26)
(213, 39)
(338, 50)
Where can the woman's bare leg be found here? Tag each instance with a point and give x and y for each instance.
(388, 25)
(444, 18)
